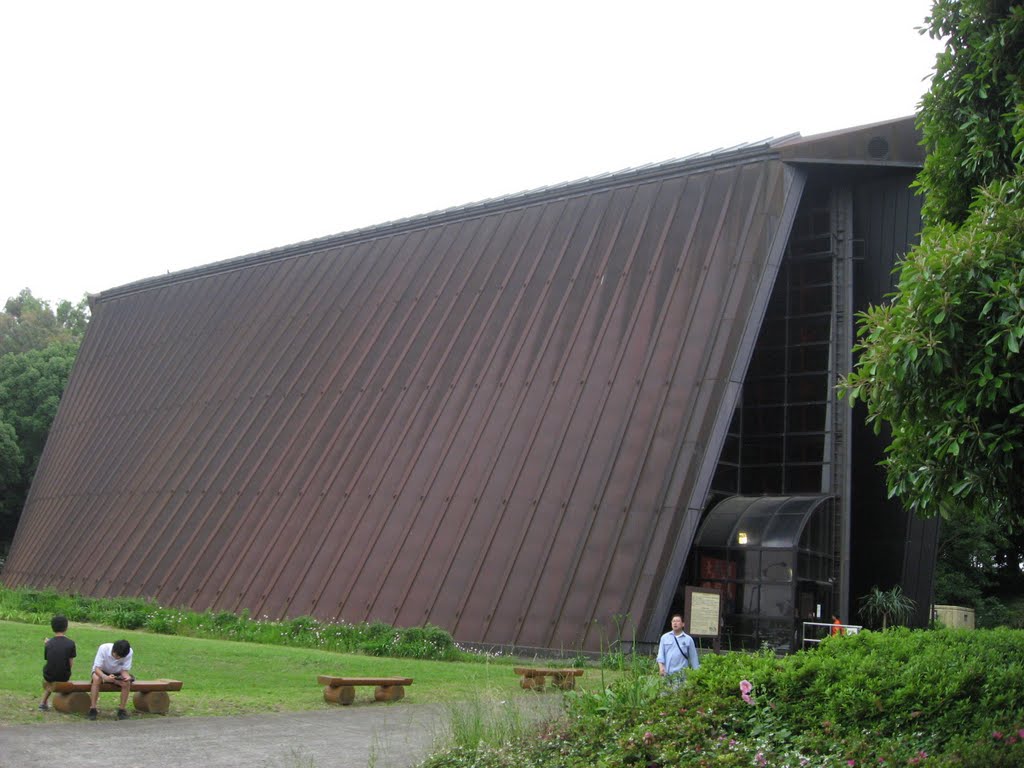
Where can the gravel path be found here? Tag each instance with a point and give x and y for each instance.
(395, 736)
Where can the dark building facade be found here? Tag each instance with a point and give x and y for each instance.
(508, 419)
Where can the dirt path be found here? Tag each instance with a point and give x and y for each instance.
(382, 737)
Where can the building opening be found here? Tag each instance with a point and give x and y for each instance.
(771, 559)
(773, 538)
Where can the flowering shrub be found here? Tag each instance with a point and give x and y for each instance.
(745, 689)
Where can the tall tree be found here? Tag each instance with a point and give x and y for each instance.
(30, 323)
(31, 384)
(971, 117)
(37, 349)
(941, 364)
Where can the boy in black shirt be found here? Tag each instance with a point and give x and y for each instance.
(59, 652)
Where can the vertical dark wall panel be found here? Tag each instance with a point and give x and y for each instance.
(893, 547)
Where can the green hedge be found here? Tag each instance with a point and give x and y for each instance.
(376, 639)
(895, 698)
(891, 685)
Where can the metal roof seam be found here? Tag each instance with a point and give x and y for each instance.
(585, 186)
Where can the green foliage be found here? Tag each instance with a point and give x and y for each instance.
(941, 365)
(29, 323)
(377, 639)
(580, 660)
(11, 457)
(37, 350)
(882, 606)
(629, 693)
(972, 117)
(630, 662)
(415, 642)
(31, 385)
(896, 698)
(485, 722)
(967, 565)
(991, 612)
(73, 317)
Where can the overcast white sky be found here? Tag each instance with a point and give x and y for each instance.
(138, 138)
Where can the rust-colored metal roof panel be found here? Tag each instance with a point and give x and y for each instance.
(494, 419)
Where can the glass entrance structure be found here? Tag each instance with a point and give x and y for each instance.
(772, 559)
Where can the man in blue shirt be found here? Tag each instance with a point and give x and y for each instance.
(676, 651)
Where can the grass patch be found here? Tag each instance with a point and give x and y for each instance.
(225, 677)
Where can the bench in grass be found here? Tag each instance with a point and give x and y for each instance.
(342, 690)
(534, 677)
(149, 695)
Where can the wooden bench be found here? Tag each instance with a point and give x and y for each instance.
(534, 677)
(149, 695)
(342, 690)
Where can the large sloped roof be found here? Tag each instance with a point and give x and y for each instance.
(500, 419)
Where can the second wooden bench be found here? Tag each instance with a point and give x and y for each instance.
(342, 690)
(534, 677)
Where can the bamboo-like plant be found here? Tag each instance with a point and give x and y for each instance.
(887, 605)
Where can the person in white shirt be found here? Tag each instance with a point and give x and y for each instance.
(112, 665)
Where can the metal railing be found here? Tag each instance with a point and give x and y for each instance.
(813, 632)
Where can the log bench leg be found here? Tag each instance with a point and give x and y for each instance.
(340, 694)
(76, 703)
(536, 683)
(565, 682)
(156, 702)
(389, 692)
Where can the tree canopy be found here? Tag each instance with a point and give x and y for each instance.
(940, 364)
(38, 346)
(972, 117)
(30, 323)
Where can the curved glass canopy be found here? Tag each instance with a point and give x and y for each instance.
(772, 559)
(765, 522)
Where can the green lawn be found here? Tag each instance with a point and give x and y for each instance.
(228, 678)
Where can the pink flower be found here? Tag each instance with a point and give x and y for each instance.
(648, 738)
(745, 686)
(746, 698)
(997, 735)
(761, 759)
(851, 762)
(1020, 733)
